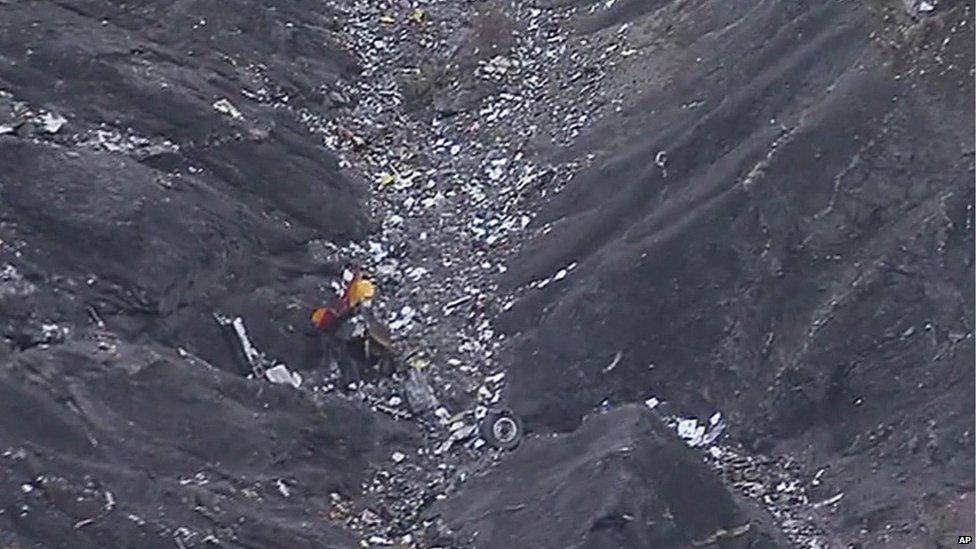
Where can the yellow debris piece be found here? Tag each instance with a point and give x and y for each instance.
(360, 290)
(418, 361)
(318, 315)
(387, 179)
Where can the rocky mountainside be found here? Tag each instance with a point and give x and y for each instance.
(718, 258)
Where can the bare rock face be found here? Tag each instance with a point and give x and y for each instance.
(109, 444)
(141, 193)
(179, 174)
(782, 237)
(621, 480)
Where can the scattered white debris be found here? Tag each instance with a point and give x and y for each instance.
(559, 275)
(613, 364)
(12, 282)
(461, 433)
(495, 378)
(404, 319)
(253, 355)
(661, 161)
(468, 187)
(828, 501)
(690, 431)
(53, 332)
(53, 122)
(699, 434)
(224, 106)
(817, 476)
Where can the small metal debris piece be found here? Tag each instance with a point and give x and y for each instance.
(613, 364)
(283, 488)
(259, 364)
(661, 160)
(722, 533)
(420, 396)
(224, 106)
(695, 434)
(53, 122)
(829, 501)
(280, 374)
(460, 433)
(252, 354)
(690, 431)
(450, 306)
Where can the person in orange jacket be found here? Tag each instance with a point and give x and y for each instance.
(332, 319)
(358, 291)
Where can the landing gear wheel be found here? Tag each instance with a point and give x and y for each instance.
(502, 429)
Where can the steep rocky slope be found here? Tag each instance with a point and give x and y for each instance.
(799, 258)
(753, 218)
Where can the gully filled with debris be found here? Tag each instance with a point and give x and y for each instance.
(439, 123)
(441, 273)
(453, 193)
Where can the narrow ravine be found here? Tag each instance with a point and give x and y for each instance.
(442, 123)
(452, 191)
